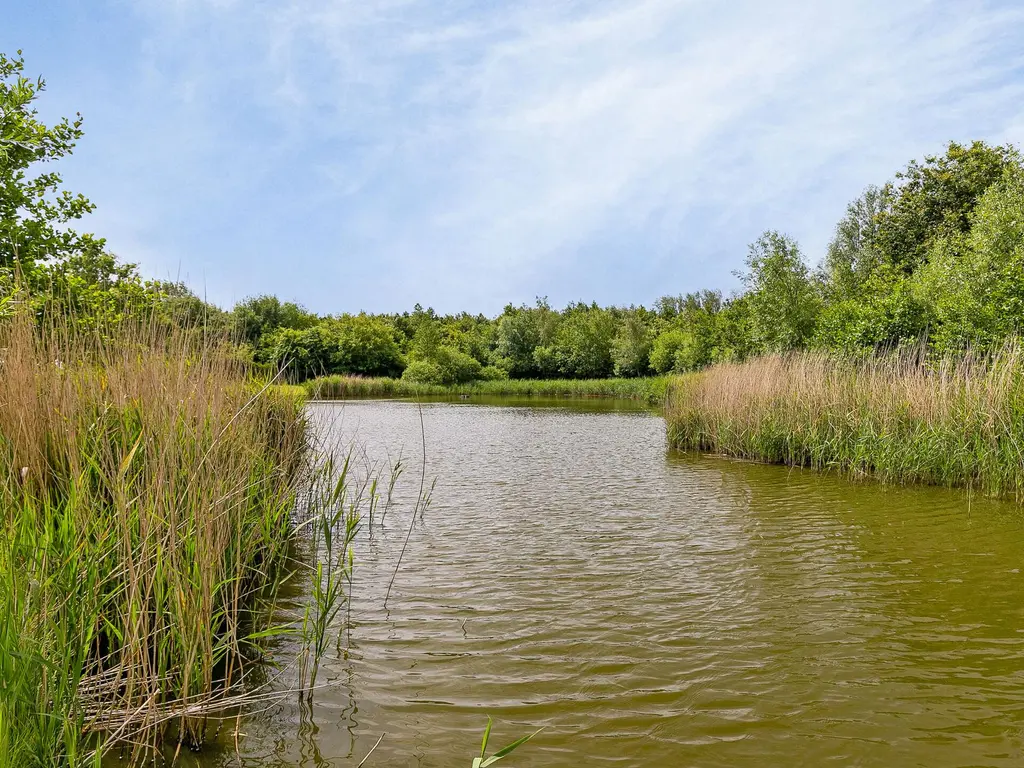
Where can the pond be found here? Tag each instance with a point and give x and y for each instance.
(649, 608)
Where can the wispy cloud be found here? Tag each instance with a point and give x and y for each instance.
(373, 154)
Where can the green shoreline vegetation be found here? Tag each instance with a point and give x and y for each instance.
(955, 421)
(650, 389)
(150, 476)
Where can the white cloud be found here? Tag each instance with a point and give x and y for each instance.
(480, 151)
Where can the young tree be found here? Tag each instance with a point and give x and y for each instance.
(782, 298)
(851, 256)
(631, 347)
(264, 314)
(974, 283)
(583, 345)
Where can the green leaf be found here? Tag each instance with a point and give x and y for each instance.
(487, 735)
(509, 749)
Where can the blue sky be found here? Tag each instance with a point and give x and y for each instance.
(371, 154)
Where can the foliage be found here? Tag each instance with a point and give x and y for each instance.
(521, 330)
(447, 366)
(358, 344)
(783, 301)
(583, 342)
(261, 315)
(631, 347)
(935, 199)
(34, 210)
(975, 282)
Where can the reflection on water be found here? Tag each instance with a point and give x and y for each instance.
(654, 609)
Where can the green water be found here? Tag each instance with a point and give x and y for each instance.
(655, 609)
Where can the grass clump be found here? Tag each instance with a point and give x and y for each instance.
(146, 491)
(650, 390)
(955, 421)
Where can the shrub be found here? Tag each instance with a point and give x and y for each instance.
(493, 373)
(423, 372)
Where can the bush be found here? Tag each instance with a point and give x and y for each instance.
(493, 373)
(456, 367)
(423, 372)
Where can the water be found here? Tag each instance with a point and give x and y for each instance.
(655, 609)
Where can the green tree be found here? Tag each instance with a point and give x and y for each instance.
(365, 346)
(631, 347)
(851, 255)
(521, 330)
(783, 301)
(974, 282)
(583, 344)
(935, 199)
(667, 346)
(35, 212)
(264, 314)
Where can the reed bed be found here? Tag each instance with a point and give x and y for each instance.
(955, 422)
(146, 491)
(650, 390)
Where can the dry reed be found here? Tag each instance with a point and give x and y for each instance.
(899, 418)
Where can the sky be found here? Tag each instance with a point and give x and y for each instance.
(366, 155)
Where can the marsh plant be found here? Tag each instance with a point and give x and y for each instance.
(483, 761)
(335, 512)
(146, 498)
(903, 417)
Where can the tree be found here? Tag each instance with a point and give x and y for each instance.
(583, 345)
(34, 210)
(521, 330)
(782, 298)
(935, 199)
(974, 283)
(851, 256)
(631, 348)
(365, 346)
(264, 314)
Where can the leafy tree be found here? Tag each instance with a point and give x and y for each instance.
(520, 331)
(447, 366)
(366, 346)
(851, 256)
(264, 314)
(734, 337)
(975, 282)
(935, 199)
(34, 210)
(886, 312)
(426, 337)
(631, 347)
(666, 348)
(583, 344)
(782, 297)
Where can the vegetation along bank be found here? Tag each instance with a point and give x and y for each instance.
(149, 477)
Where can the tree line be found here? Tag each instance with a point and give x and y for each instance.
(934, 256)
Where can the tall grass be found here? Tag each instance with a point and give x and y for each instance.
(145, 500)
(349, 387)
(951, 422)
